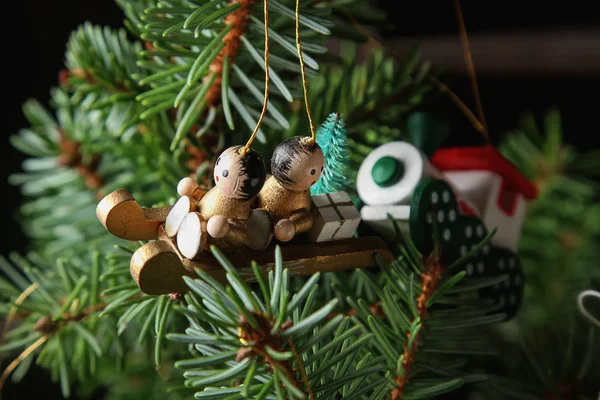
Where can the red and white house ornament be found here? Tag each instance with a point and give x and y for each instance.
(484, 183)
(386, 181)
(496, 187)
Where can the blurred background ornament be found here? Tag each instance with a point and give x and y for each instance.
(496, 187)
(590, 294)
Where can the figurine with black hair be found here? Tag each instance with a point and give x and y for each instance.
(226, 217)
(224, 214)
(296, 165)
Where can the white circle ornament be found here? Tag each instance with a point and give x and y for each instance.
(414, 165)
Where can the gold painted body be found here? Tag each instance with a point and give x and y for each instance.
(158, 269)
(215, 203)
(236, 211)
(284, 203)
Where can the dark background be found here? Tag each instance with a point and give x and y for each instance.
(34, 47)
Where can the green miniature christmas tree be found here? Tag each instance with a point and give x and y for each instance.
(331, 136)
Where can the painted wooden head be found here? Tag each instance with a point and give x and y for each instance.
(297, 163)
(239, 176)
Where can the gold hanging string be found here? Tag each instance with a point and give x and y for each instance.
(313, 133)
(478, 126)
(9, 320)
(461, 106)
(266, 101)
(15, 363)
(13, 311)
(471, 69)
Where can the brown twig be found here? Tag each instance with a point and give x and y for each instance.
(239, 20)
(430, 279)
(375, 309)
(72, 156)
(261, 337)
(13, 314)
(311, 395)
(46, 327)
(65, 75)
(15, 363)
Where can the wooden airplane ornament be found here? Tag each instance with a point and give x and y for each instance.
(234, 222)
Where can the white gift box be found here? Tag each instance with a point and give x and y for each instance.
(335, 217)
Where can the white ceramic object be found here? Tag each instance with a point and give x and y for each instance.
(416, 168)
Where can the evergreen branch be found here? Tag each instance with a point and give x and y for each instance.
(71, 156)
(60, 312)
(15, 363)
(267, 334)
(192, 41)
(554, 235)
(376, 97)
(402, 330)
(239, 21)
(431, 276)
(404, 307)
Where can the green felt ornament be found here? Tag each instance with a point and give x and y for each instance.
(434, 212)
(426, 131)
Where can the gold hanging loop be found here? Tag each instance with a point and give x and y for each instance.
(266, 101)
(313, 133)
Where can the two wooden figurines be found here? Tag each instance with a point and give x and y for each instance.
(241, 215)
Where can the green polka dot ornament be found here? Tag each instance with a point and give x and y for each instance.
(434, 208)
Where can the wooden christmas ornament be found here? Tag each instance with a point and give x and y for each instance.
(335, 217)
(183, 207)
(157, 269)
(508, 294)
(189, 187)
(238, 179)
(296, 165)
(122, 216)
(386, 182)
(299, 259)
(239, 175)
(258, 232)
(192, 235)
(218, 226)
(226, 208)
(434, 204)
(497, 188)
